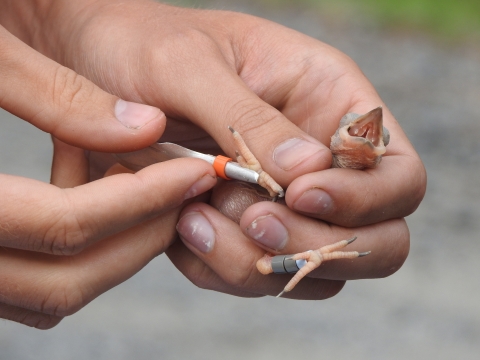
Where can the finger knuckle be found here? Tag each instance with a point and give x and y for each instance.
(204, 280)
(30, 318)
(65, 234)
(418, 188)
(47, 322)
(399, 247)
(201, 276)
(370, 197)
(65, 298)
(69, 89)
(378, 203)
(330, 289)
(361, 210)
(178, 49)
(44, 322)
(250, 116)
(65, 237)
(241, 275)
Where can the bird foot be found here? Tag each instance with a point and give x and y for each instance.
(247, 160)
(312, 259)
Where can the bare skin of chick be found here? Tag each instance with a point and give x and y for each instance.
(359, 143)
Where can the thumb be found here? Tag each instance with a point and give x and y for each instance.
(283, 149)
(73, 109)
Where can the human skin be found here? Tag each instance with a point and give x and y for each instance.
(65, 243)
(284, 92)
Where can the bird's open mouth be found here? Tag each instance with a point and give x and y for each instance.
(368, 126)
(360, 140)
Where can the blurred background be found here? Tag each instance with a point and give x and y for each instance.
(423, 56)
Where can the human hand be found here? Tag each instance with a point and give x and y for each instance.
(65, 243)
(210, 69)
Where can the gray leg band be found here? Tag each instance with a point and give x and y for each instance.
(281, 264)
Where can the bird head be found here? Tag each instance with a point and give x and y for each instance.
(360, 140)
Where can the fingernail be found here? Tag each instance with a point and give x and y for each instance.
(205, 183)
(268, 231)
(292, 152)
(195, 229)
(134, 115)
(314, 201)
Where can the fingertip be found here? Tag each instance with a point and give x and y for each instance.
(203, 184)
(302, 155)
(268, 231)
(288, 153)
(196, 231)
(194, 176)
(312, 201)
(141, 126)
(135, 116)
(264, 224)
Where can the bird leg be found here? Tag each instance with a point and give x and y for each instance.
(310, 260)
(247, 160)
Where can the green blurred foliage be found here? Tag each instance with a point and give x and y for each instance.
(447, 19)
(450, 19)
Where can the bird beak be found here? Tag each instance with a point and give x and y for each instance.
(360, 140)
(369, 126)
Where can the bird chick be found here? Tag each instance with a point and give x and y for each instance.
(359, 141)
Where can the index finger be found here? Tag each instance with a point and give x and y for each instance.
(41, 217)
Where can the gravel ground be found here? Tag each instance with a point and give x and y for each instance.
(429, 309)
